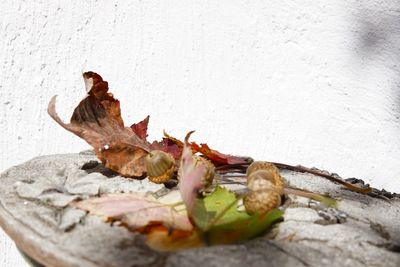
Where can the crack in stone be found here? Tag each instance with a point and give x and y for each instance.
(290, 255)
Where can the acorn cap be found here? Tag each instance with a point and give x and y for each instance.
(261, 165)
(268, 171)
(260, 180)
(209, 174)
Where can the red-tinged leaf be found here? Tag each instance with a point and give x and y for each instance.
(178, 142)
(191, 175)
(140, 128)
(97, 119)
(161, 239)
(135, 210)
(168, 146)
(217, 157)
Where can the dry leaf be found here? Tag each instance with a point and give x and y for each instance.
(140, 128)
(217, 158)
(135, 210)
(168, 146)
(97, 119)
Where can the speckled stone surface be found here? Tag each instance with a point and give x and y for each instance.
(34, 197)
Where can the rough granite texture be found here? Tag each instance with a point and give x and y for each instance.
(34, 196)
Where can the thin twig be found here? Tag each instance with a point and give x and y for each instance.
(232, 166)
(241, 168)
(305, 193)
(331, 178)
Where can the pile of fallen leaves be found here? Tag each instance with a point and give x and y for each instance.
(205, 214)
(97, 119)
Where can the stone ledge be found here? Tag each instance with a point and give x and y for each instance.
(363, 231)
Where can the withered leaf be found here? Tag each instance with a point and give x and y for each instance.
(135, 210)
(218, 158)
(168, 146)
(214, 156)
(140, 128)
(97, 119)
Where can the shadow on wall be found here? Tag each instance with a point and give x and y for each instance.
(378, 42)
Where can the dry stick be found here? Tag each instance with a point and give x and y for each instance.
(327, 176)
(229, 167)
(241, 168)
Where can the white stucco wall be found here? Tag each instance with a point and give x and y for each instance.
(315, 83)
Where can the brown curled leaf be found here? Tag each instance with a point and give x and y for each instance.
(97, 119)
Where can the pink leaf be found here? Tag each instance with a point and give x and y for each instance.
(135, 210)
(190, 180)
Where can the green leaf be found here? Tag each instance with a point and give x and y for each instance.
(242, 229)
(221, 223)
(221, 205)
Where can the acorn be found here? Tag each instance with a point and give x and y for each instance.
(208, 176)
(209, 173)
(160, 166)
(266, 187)
(272, 173)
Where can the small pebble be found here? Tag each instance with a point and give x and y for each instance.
(333, 215)
(90, 165)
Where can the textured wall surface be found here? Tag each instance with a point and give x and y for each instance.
(301, 82)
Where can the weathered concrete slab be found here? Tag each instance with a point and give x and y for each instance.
(363, 231)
